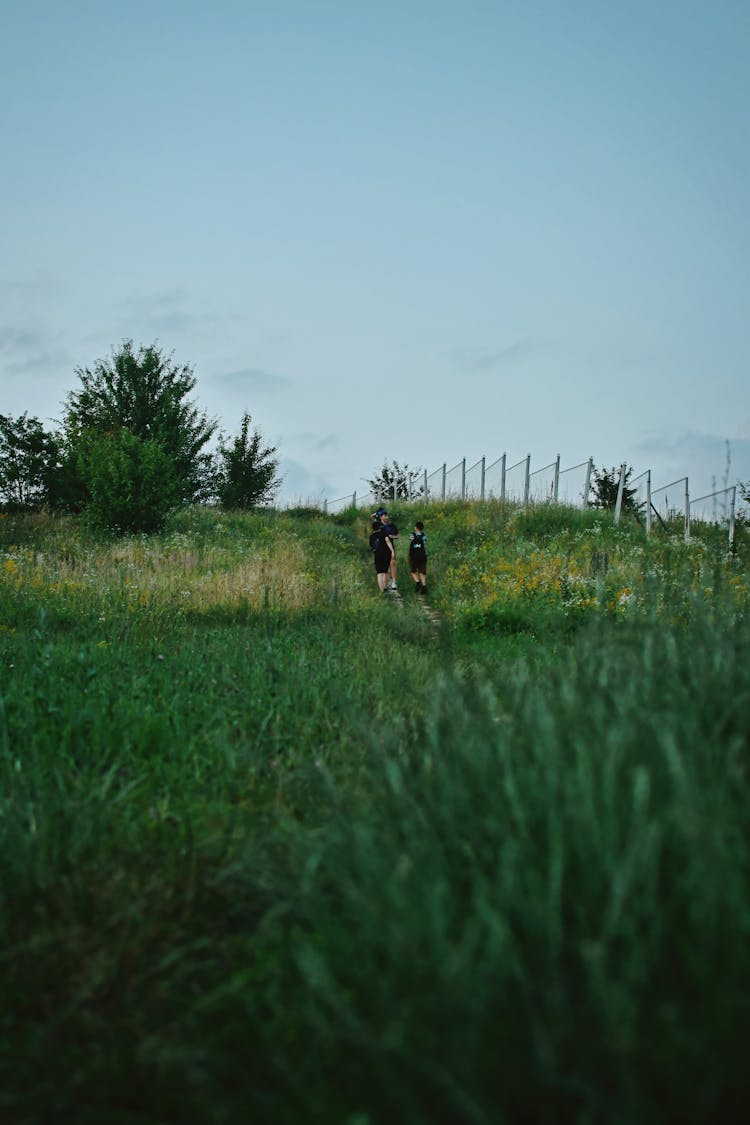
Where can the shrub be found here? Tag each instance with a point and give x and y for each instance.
(247, 473)
(146, 393)
(132, 483)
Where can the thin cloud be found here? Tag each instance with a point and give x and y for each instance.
(161, 313)
(21, 339)
(167, 311)
(32, 351)
(299, 485)
(318, 442)
(709, 461)
(502, 357)
(715, 444)
(252, 380)
(41, 363)
(21, 291)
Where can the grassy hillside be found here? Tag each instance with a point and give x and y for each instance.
(274, 847)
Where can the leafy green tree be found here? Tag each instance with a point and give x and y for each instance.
(146, 393)
(67, 490)
(605, 486)
(247, 471)
(397, 482)
(29, 457)
(743, 488)
(132, 483)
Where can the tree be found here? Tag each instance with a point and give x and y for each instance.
(29, 456)
(744, 490)
(397, 482)
(146, 393)
(132, 483)
(247, 471)
(606, 484)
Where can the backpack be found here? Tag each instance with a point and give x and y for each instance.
(376, 538)
(417, 544)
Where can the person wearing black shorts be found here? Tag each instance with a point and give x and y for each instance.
(382, 550)
(392, 532)
(418, 558)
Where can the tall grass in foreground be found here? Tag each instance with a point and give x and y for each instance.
(312, 863)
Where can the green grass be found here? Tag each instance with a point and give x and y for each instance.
(275, 848)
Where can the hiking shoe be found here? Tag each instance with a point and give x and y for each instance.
(394, 586)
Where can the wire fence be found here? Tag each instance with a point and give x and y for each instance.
(672, 502)
(483, 480)
(517, 483)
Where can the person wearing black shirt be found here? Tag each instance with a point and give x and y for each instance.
(418, 557)
(392, 532)
(382, 550)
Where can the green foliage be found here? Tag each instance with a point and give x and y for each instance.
(247, 473)
(317, 860)
(397, 482)
(67, 491)
(146, 393)
(132, 484)
(28, 460)
(743, 515)
(605, 487)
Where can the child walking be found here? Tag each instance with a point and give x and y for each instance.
(382, 549)
(418, 557)
(392, 533)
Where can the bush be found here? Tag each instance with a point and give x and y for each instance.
(247, 474)
(132, 483)
(145, 392)
(28, 459)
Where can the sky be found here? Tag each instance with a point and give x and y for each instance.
(402, 230)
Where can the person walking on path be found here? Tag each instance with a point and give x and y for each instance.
(418, 557)
(382, 549)
(392, 532)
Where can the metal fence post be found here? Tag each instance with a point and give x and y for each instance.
(325, 506)
(527, 480)
(426, 494)
(556, 485)
(463, 479)
(687, 510)
(732, 503)
(481, 487)
(620, 489)
(648, 502)
(587, 486)
(442, 494)
(502, 476)
(354, 499)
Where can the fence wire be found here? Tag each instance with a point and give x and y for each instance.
(453, 482)
(715, 508)
(574, 485)
(494, 479)
(474, 489)
(518, 484)
(543, 484)
(671, 501)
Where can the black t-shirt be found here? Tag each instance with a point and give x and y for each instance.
(378, 541)
(418, 544)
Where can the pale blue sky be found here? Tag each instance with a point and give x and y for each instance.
(411, 230)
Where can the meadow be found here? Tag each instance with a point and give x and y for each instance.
(277, 848)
